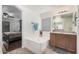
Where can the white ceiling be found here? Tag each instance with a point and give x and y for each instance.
(35, 8)
(44, 8)
(11, 9)
(39, 8)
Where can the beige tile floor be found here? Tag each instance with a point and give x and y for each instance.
(26, 51)
(48, 50)
(20, 51)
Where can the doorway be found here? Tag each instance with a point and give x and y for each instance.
(11, 28)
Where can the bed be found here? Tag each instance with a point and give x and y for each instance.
(11, 37)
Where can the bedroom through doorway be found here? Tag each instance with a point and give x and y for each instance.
(11, 28)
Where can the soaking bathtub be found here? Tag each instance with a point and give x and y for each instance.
(36, 44)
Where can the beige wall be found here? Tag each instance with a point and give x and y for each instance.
(55, 12)
(78, 31)
(0, 29)
(28, 16)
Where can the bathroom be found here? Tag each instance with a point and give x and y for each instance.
(39, 24)
(32, 39)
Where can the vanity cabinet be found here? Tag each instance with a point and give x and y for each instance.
(52, 39)
(71, 43)
(64, 41)
(60, 40)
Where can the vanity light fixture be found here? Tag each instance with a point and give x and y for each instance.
(62, 11)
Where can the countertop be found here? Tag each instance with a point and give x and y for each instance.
(64, 32)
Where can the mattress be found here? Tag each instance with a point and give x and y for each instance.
(11, 36)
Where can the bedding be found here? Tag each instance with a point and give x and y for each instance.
(11, 36)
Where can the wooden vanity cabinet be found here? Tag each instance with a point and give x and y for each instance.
(60, 40)
(52, 39)
(71, 43)
(65, 41)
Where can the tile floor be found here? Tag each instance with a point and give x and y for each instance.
(26, 51)
(47, 51)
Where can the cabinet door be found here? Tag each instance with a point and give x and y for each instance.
(71, 43)
(60, 41)
(52, 39)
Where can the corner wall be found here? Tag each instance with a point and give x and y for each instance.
(29, 16)
(27, 31)
(78, 31)
(0, 29)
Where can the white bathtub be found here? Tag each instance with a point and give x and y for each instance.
(36, 44)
